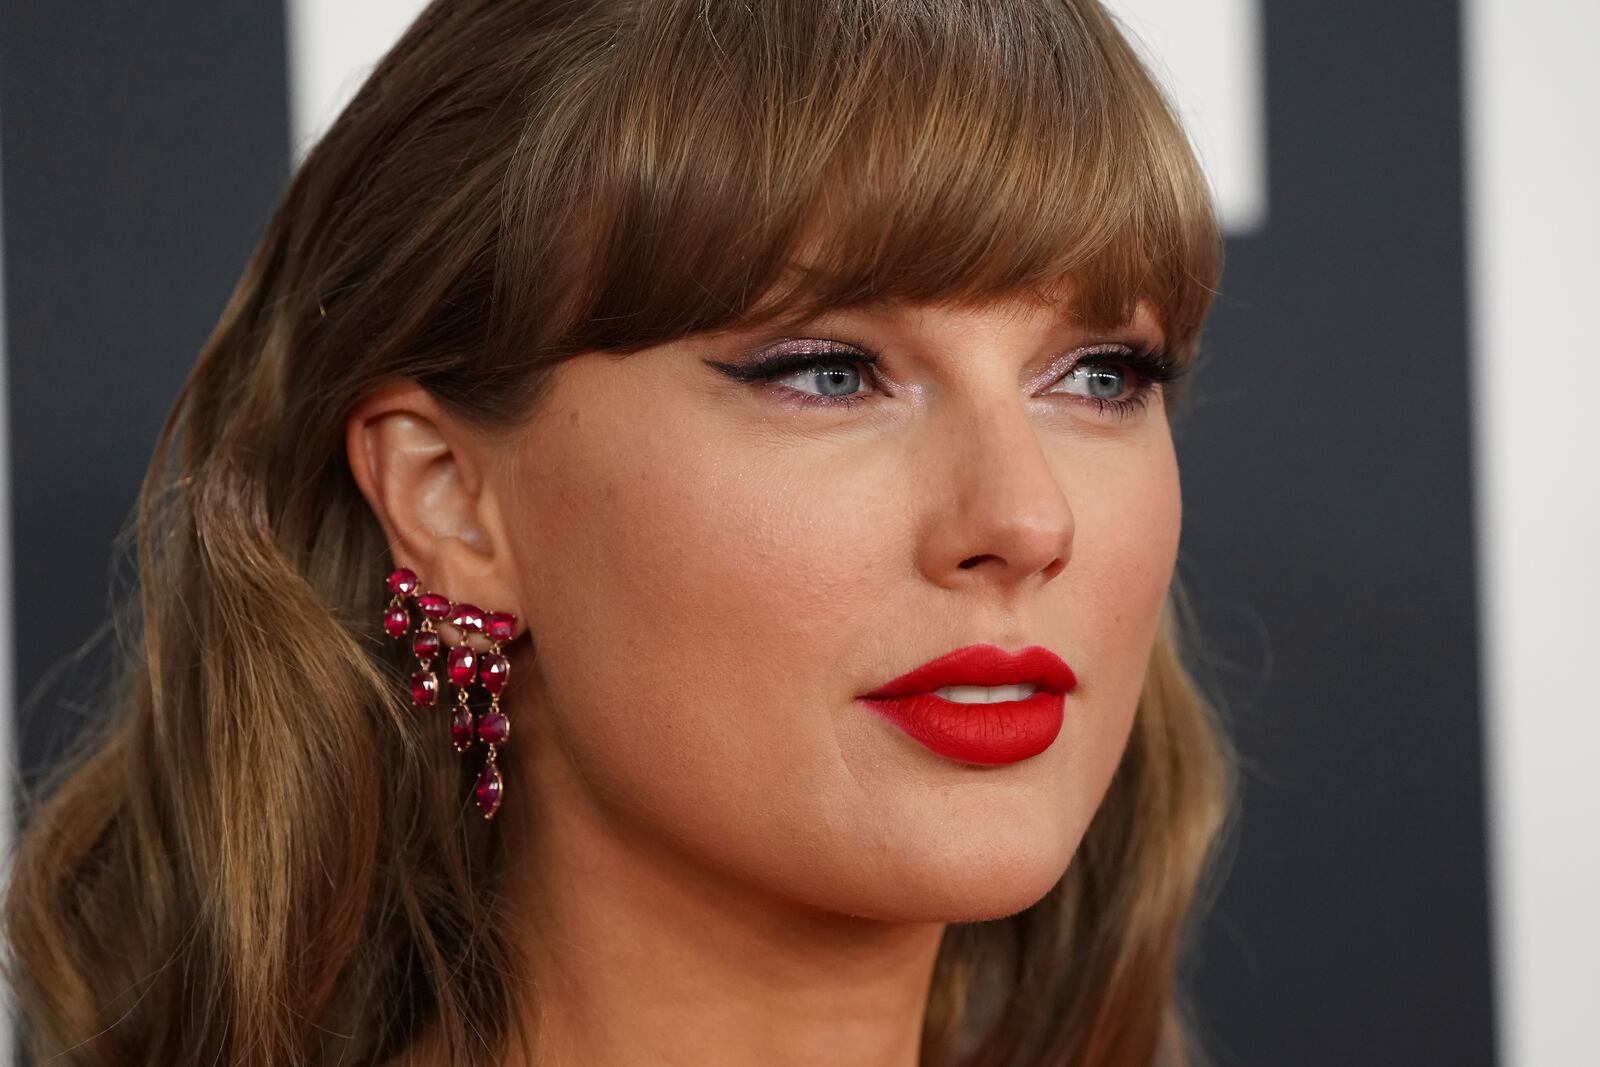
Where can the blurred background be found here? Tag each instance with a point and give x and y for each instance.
(1392, 524)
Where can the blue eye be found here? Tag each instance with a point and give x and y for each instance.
(1102, 381)
(831, 379)
(812, 372)
(1103, 375)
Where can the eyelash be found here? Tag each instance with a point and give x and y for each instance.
(1149, 367)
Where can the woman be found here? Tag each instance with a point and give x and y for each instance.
(763, 408)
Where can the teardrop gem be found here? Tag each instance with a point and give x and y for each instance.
(402, 581)
(463, 665)
(434, 606)
(424, 689)
(467, 616)
(461, 728)
(493, 728)
(488, 790)
(396, 621)
(500, 625)
(425, 643)
(493, 669)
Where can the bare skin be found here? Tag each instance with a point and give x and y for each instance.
(724, 859)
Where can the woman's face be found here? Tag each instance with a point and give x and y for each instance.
(714, 569)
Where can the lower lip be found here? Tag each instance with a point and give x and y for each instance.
(1002, 732)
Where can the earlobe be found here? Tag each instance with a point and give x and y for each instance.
(419, 470)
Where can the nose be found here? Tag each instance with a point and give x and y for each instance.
(1000, 514)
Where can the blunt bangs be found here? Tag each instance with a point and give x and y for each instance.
(752, 160)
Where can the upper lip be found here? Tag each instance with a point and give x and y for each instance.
(984, 665)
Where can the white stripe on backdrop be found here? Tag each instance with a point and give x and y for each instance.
(333, 45)
(1533, 149)
(1208, 55)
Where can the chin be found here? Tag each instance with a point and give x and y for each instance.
(990, 880)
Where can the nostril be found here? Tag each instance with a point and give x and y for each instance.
(1050, 571)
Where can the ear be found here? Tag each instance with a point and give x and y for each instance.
(423, 473)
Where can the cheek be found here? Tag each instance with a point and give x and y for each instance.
(706, 564)
(1129, 514)
(1128, 518)
(688, 606)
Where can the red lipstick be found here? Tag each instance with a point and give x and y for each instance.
(1001, 732)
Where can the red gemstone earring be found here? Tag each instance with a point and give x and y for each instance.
(463, 667)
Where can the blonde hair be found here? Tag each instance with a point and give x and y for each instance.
(261, 858)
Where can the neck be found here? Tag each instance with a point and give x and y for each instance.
(640, 955)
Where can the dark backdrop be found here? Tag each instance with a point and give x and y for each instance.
(1329, 541)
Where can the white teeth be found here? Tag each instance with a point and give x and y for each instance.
(978, 694)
